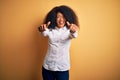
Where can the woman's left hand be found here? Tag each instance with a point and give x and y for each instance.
(73, 27)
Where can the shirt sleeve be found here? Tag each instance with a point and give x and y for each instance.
(45, 33)
(74, 35)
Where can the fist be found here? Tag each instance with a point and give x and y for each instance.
(43, 27)
(73, 27)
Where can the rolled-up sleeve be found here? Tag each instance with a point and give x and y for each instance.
(74, 35)
(45, 33)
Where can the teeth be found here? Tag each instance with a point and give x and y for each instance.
(61, 22)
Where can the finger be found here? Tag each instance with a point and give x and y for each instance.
(71, 26)
(44, 26)
(68, 23)
(73, 30)
(48, 23)
(76, 27)
(41, 27)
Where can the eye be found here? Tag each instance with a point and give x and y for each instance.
(58, 17)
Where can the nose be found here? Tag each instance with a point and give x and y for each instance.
(61, 19)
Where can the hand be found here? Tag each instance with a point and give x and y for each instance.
(43, 27)
(73, 27)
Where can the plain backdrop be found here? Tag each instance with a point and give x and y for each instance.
(95, 54)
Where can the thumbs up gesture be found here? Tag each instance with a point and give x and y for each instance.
(73, 27)
(43, 27)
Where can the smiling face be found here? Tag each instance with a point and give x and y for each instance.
(60, 20)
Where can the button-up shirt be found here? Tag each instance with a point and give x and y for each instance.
(57, 57)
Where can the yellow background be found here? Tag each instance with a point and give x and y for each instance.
(95, 54)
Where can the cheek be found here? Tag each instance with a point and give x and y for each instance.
(62, 19)
(57, 20)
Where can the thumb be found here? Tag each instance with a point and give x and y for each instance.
(68, 23)
(48, 23)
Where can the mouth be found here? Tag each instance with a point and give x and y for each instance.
(61, 23)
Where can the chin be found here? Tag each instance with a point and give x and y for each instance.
(60, 26)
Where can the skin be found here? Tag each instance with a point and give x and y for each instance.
(60, 20)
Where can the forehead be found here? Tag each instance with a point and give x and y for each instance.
(59, 14)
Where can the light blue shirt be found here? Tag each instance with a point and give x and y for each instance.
(57, 57)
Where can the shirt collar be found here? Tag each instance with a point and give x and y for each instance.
(64, 28)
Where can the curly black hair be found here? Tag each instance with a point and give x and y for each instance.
(67, 12)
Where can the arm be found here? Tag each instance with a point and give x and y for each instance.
(73, 30)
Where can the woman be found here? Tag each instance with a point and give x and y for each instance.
(60, 26)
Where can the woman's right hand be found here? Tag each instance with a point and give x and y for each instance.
(43, 27)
